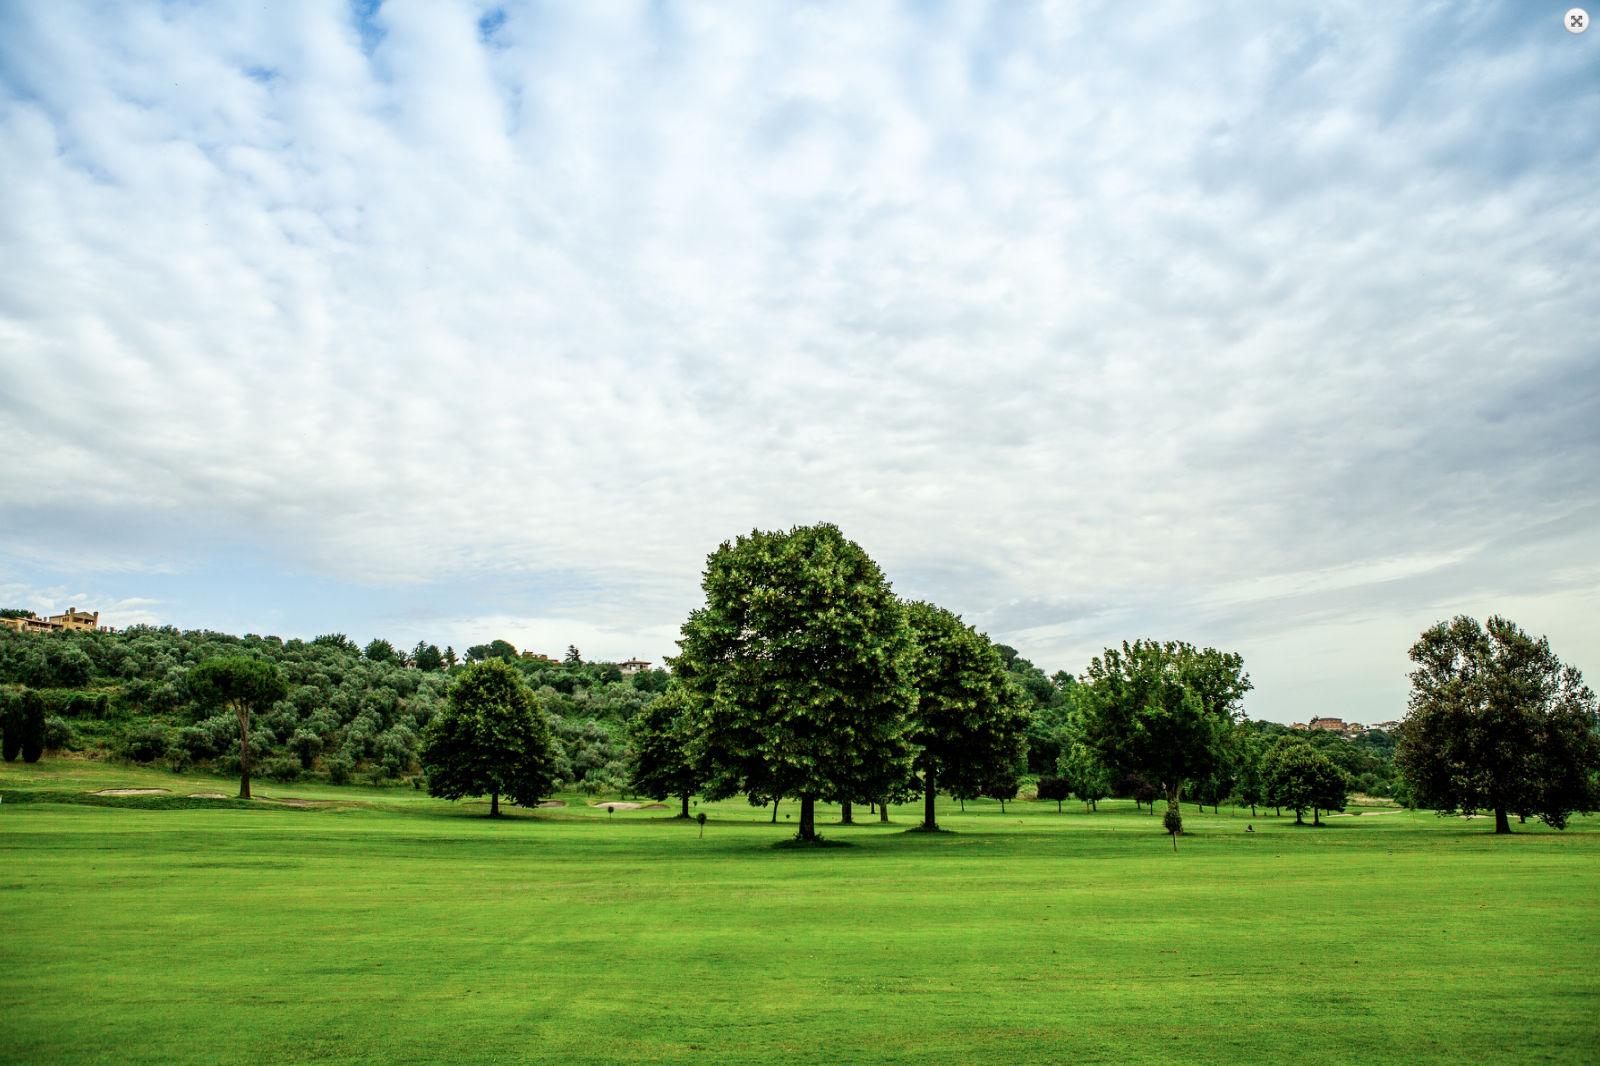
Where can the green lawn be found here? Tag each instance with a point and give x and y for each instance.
(388, 926)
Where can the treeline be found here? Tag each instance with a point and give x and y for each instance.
(349, 713)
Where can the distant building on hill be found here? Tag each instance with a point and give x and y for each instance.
(632, 666)
(1331, 725)
(73, 619)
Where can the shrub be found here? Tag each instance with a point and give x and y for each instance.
(145, 744)
(280, 768)
(58, 735)
(340, 769)
(1054, 788)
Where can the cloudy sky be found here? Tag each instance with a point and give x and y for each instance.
(1268, 326)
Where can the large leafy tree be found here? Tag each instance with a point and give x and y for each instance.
(491, 739)
(797, 671)
(244, 686)
(1162, 710)
(1298, 776)
(659, 762)
(1497, 722)
(970, 720)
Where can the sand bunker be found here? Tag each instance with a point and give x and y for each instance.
(617, 806)
(553, 803)
(654, 807)
(207, 796)
(131, 792)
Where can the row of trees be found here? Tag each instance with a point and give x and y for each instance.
(804, 676)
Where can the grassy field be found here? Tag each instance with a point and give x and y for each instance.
(387, 926)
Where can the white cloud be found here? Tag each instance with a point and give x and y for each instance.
(1192, 317)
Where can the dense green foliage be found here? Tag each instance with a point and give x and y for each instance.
(1297, 776)
(491, 739)
(661, 763)
(244, 686)
(968, 722)
(797, 670)
(346, 715)
(1497, 722)
(1164, 711)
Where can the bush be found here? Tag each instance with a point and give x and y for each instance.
(58, 735)
(1054, 788)
(280, 768)
(145, 744)
(340, 769)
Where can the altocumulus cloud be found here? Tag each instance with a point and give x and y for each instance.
(1267, 326)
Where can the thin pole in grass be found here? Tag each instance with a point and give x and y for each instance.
(701, 818)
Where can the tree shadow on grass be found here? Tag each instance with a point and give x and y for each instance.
(795, 844)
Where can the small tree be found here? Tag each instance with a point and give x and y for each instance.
(1300, 777)
(427, 656)
(1163, 710)
(659, 764)
(1055, 788)
(491, 739)
(244, 686)
(11, 726)
(30, 724)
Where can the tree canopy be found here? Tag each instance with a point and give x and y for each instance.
(1162, 710)
(798, 671)
(1497, 722)
(491, 740)
(246, 687)
(1298, 776)
(660, 764)
(968, 723)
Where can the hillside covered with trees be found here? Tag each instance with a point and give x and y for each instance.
(350, 713)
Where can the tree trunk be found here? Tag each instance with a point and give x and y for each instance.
(774, 812)
(1094, 805)
(1277, 811)
(1501, 823)
(1252, 810)
(1058, 806)
(1002, 806)
(929, 821)
(1316, 816)
(963, 805)
(883, 811)
(872, 806)
(808, 818)
(494, 805)
(244, 752)
(845, 813)
(685, 812)
(1299, 816)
